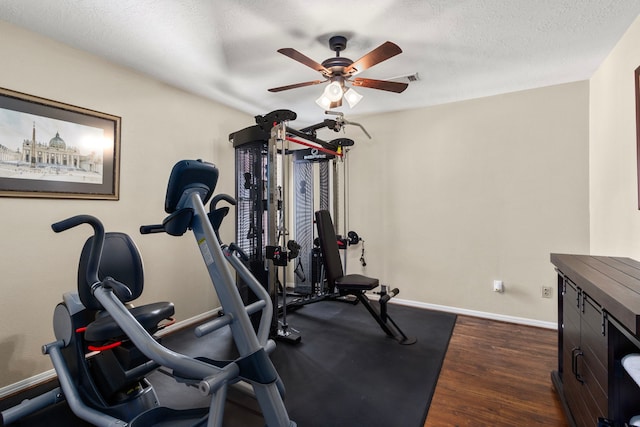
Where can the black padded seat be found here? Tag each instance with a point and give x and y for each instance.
(120, 260)
(105, 328)
(332, 262)
(356, 282)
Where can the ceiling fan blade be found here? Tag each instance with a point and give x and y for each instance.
(381, 53)
(387, 85)
(303, 59)
(296, 85)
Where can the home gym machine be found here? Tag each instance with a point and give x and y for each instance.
(262, 154)
(104, 349)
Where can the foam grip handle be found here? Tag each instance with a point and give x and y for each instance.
(96, 246)
(222, 197)
(148, 229)
(386, 297)
(74, 221)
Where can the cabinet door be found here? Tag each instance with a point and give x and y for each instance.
(593, 364)
(571, 322)
(584, 377)
(571, 380)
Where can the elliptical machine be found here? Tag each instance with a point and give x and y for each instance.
(103, 350)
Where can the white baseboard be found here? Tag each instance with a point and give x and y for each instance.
(475, 313)
(27, 383)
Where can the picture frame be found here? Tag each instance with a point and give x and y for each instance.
(50, 149)
(637, 92)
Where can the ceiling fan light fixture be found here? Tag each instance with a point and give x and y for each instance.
(339, 70)
(333, 91)
(323, 102)
(352, 97)
(331, 96)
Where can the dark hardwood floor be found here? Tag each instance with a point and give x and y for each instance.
(497, 374)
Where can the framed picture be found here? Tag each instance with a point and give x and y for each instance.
(56, 150)
(637, 83)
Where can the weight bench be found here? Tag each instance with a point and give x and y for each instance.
(354, 284)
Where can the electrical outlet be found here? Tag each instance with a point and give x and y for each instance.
(547, 292)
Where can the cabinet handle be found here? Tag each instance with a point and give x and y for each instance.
(575, 353)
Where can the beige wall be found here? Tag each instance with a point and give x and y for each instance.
(451, 197)
(160, 125)
(615, 219)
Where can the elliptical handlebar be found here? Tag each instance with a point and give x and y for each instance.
(74, 221)
(96, 247)
(220, 197)
(95, 254)
(180, 220)
(149, 229)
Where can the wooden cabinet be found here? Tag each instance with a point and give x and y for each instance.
(584, 355)
(598, 324)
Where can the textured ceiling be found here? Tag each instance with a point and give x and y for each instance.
(226, 49)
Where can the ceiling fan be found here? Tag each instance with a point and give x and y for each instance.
(340, 70)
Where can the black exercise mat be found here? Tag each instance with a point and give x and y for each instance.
(344, 372)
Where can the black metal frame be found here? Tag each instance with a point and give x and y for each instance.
(355, 284)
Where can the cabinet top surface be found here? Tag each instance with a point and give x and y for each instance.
(612, 282)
